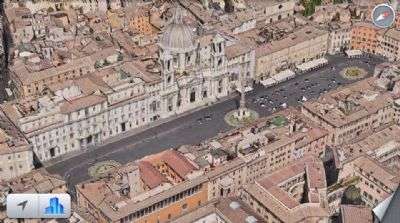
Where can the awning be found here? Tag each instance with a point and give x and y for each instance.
(353, 53)
(246, 89)
(268, 82)
(312, 64)
(284, 75)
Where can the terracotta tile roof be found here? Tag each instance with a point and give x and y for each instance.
(80, 103)
(355, 213)
(236, 214)
(150, 175)
(178, 163)
(37, 181)
(308, 166)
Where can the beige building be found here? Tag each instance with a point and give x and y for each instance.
(279, 196)
(339, 38)
(272, 11)
(375, 181)
(371, 163)
(383, 145)
(30, 83)
(350, 112)
(16, 155)
(303, 45)
(389, 44)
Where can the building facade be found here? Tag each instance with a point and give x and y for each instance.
(389, 44)
(339, 38)
(339, 111)
(303, 45)
(86, 101)
(16, 155)
(364, 37)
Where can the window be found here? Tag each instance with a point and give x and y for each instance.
(184, 206)
(192, 96)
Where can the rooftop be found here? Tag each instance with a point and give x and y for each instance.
(37, 181)
(355, 213)
(345, 105)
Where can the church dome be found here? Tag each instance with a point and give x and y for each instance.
(177, 36)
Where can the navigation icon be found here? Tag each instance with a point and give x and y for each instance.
(383, 16)
(22, 206)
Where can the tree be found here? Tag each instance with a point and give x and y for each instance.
(352, 195)
(50, 9)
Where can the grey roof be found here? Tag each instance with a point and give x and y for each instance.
(392, 214)
(177, 36)
(388, 210)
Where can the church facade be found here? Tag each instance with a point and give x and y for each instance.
(189, 71)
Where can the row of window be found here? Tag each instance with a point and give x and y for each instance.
(162, 204)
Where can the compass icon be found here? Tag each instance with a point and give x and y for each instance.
(383, 16)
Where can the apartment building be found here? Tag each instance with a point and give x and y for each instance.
(339, 38)
(83, 112)
(16, 155)
(376, 182)
(278, 197)
(364, 36)
(383, 145)
(30, 83)
(350, 112)
(300, 46)
(389, 44)
(371, 163)
(139, 20)
(272, 11)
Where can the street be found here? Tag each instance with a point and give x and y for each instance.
(200, 125)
